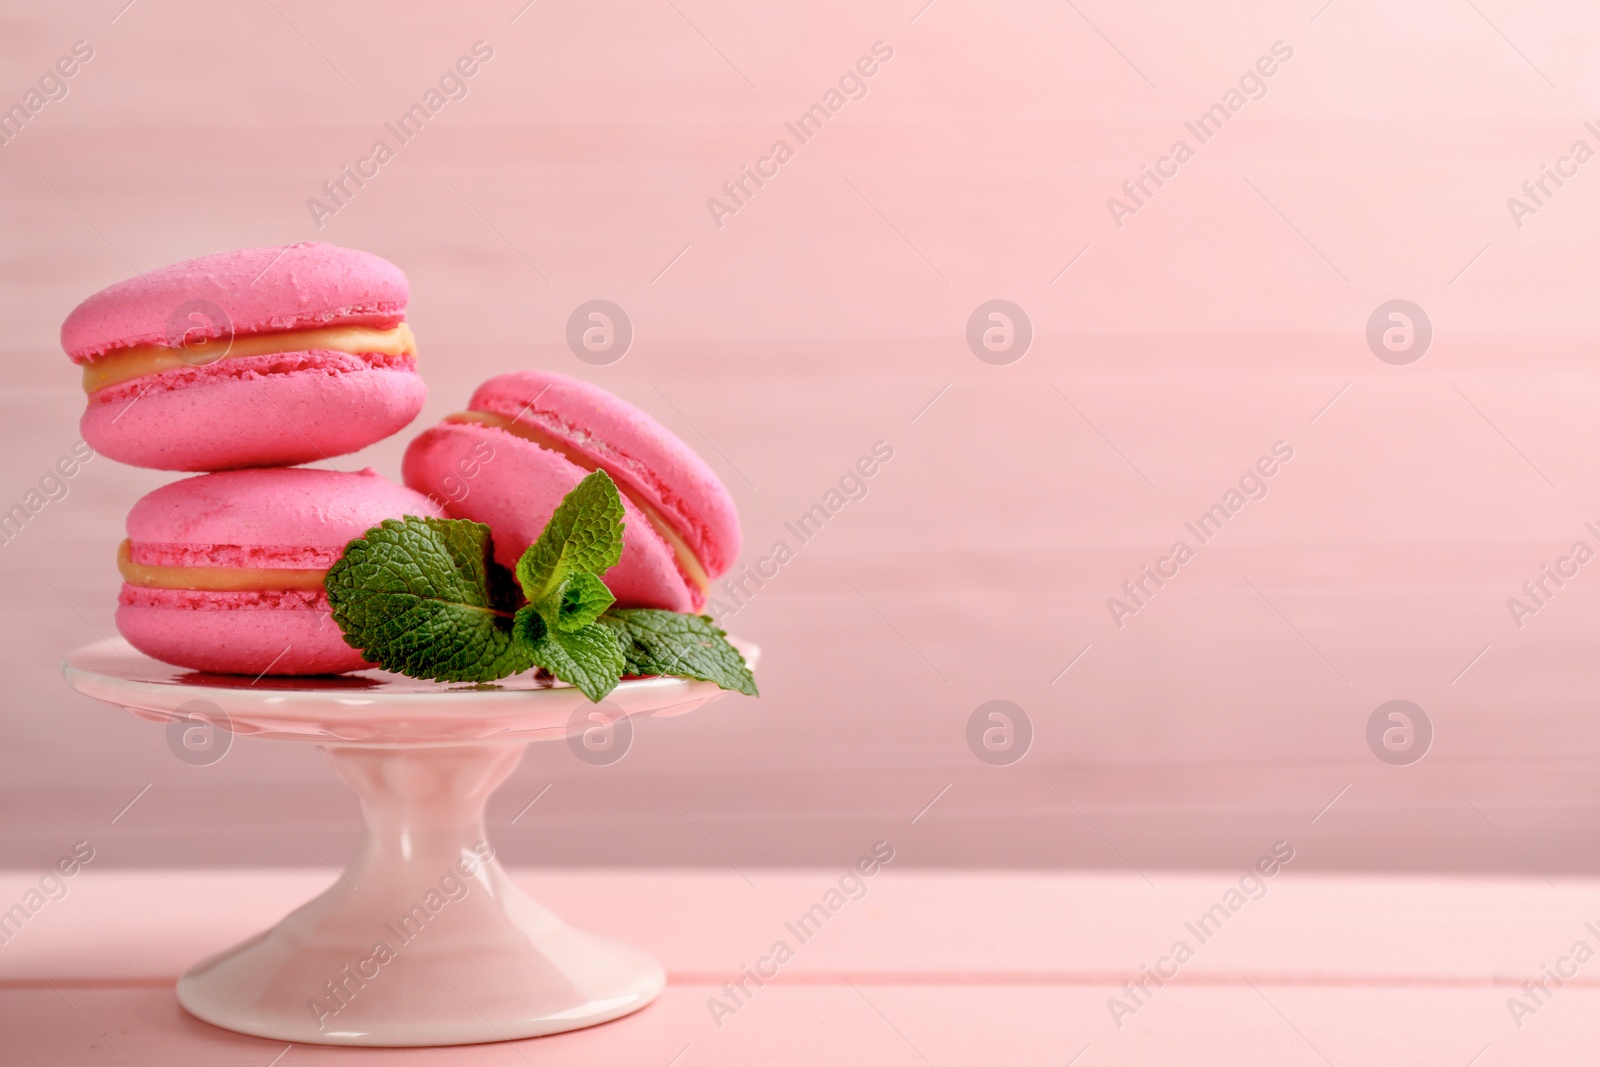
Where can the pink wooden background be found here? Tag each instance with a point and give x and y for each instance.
(827, 314)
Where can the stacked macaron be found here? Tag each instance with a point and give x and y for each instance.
(224, 572)
(245, 363)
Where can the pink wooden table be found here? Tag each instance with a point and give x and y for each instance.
(934, 968)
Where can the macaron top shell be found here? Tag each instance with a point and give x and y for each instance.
(637, 451)
(253, 290)
(292, 506)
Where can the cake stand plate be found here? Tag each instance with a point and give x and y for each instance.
(423, 939)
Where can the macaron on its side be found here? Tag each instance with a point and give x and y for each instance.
(560, 429)
(600, 431)
(251, 358)
(223, 572)
(513, 486)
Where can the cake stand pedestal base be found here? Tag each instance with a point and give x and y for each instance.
(424, 939)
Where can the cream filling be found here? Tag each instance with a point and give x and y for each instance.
(214, 579)
(126, 364)
(687, 561)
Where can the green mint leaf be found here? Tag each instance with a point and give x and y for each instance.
(686, 646)
(589, 657)
(528, 626)
(584, 534)
(421, 597)
(577, 602)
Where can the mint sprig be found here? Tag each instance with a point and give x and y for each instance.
(423, 597)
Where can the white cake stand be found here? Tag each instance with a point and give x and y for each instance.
(421, 941)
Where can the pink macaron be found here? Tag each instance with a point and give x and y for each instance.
(224, 572)
(257, 358)
(528, 438)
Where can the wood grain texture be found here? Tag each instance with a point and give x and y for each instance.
(827, 313)
(938, 968)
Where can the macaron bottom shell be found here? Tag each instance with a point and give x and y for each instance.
(515, 486)
(236, 633)
(254, 411)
